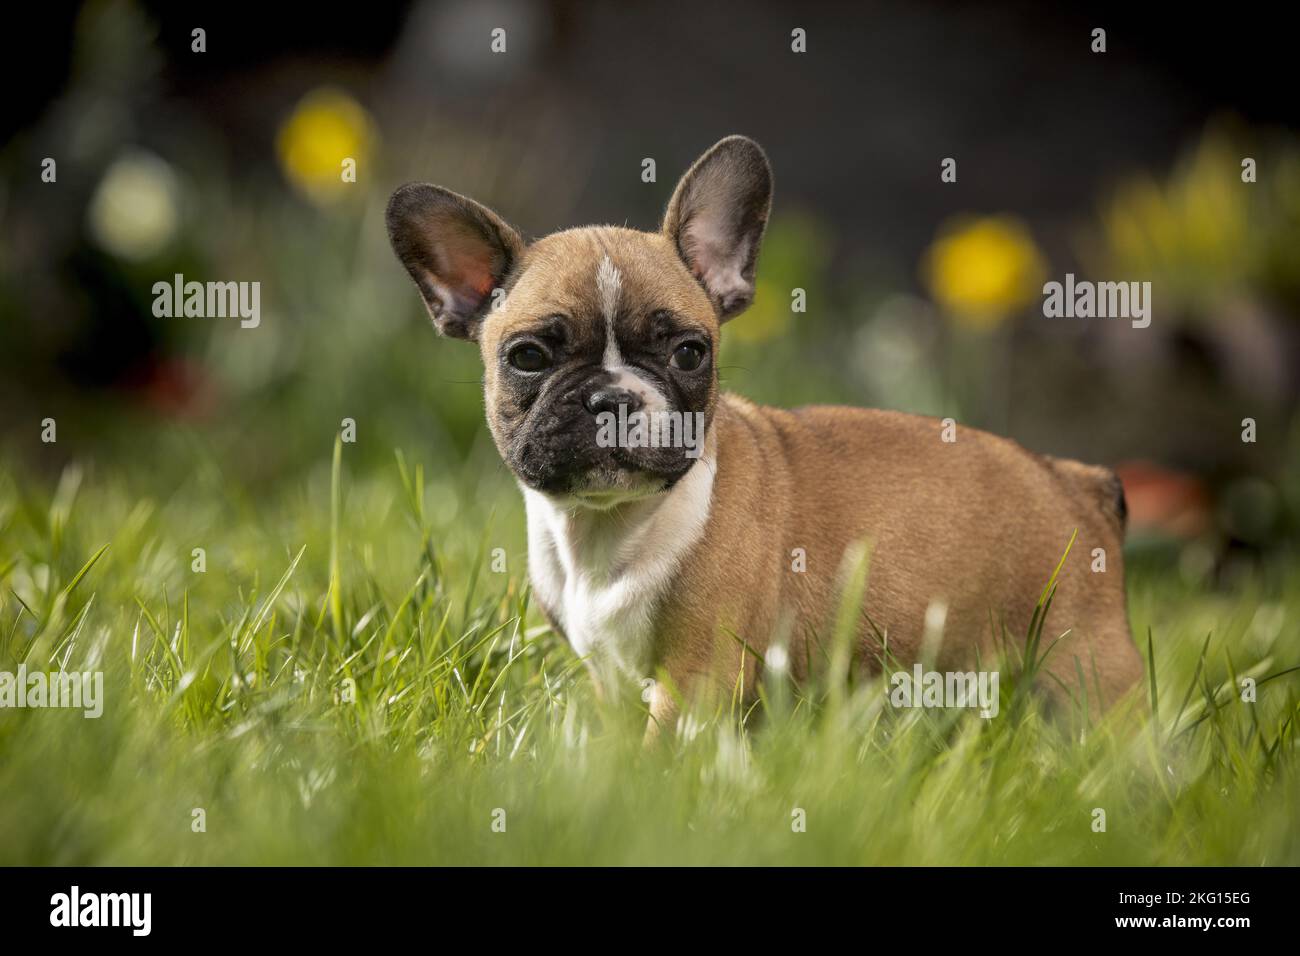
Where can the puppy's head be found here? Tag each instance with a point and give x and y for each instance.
(581, 322)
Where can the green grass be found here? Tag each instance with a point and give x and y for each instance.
(223, 693)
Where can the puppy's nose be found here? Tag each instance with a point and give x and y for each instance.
(607, 398)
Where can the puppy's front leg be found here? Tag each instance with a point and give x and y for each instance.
(664, 711)
(696, 676)
(676, 686)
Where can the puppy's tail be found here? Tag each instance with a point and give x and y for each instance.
(1098, 486)
(1120, 503)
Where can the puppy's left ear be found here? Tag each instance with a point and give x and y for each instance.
(716, 220)
(455, 249)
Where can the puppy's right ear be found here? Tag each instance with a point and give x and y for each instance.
(456, 251)
(716, 220)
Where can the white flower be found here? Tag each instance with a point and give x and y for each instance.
(135, 211)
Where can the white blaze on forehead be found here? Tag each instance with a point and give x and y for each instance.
(609, 285)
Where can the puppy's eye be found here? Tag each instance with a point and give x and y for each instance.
(527, 357)
(687, 356)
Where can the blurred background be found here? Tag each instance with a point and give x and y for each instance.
(225, 165)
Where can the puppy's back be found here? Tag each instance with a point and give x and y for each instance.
(976, 525)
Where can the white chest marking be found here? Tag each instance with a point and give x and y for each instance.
(604, 572)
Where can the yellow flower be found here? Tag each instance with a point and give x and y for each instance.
(982, 270)
(327, 129)
(1198, 234)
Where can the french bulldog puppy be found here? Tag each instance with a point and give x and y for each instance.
(653, 558)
